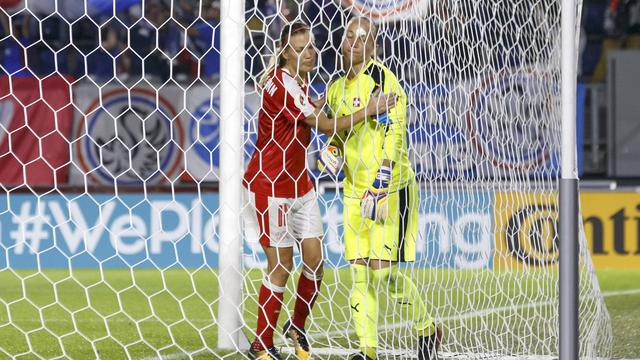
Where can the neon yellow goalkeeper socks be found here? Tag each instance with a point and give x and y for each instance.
(402, 289)
(364, 310)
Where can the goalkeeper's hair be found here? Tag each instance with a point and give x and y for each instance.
(277, 61)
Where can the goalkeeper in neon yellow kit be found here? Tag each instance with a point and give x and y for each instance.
(380, 194)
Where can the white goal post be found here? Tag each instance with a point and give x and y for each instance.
(569, 324)
(231, 129)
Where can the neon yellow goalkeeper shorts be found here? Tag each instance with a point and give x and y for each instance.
(393, 240)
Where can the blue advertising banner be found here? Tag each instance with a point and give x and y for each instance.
(456, 229)
(105, 231)
(164, 230)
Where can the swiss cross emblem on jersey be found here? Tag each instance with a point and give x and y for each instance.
(356, 102)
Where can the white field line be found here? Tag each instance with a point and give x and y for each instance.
(471, 315)
(621, 292)
(172, 356)
(463, 316)
(339, 352)
(452, 356)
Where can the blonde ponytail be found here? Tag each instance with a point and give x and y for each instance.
(276, 60)
(270, 69)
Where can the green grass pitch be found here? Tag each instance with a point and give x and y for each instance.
(87, 314)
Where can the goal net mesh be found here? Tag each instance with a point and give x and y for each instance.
(109, 143)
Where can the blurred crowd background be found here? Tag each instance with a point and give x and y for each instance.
(181, 40)
(160, 42)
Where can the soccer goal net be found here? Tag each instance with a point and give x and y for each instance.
(110, 139)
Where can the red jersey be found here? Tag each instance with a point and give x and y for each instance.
(278, 165)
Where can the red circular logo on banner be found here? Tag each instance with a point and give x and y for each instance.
(130, 137)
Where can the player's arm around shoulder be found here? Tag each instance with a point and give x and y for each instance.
(333, 124)
(331, 109)
(330, 158)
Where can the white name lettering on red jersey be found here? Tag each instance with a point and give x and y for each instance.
(278, 165)
(270, 87)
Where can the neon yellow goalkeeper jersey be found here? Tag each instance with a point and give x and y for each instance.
(368, 143)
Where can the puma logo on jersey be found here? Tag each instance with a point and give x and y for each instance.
(270, 87)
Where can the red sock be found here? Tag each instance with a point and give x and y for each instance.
(269, 305)
(306, 296)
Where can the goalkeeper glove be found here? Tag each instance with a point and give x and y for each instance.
(330, 160)
(383, 119)
(373, 204)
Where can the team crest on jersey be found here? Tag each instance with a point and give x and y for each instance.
(356, 102)
(301, 101)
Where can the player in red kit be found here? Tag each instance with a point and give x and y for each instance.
(283, 210)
